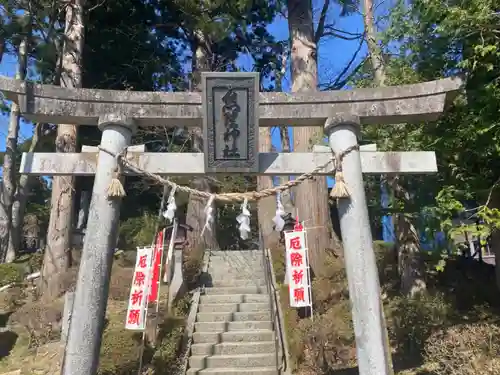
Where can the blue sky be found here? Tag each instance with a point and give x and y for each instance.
(334, 54)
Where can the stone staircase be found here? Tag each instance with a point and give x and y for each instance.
(233, 333)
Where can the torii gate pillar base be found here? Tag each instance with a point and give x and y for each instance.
(81, 356)
(360, 261)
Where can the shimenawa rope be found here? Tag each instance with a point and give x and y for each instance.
(116, 190)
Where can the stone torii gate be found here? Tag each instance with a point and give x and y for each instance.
(230, 108)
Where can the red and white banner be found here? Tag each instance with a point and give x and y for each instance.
(297, 268)
(137, 303)
(157, 257)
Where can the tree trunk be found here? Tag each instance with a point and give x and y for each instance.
(7, 249)
(21, 198)
(57, 257)
(267, 206)
(195, 216)
(376, 58)
(286, 196)
(311, 196)
(407, 240)
(410, 263)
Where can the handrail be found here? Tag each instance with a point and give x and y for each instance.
(187, 338)
(276, 312)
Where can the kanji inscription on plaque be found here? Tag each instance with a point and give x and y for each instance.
(230, 122)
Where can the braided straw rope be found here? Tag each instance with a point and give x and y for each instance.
(228, 197)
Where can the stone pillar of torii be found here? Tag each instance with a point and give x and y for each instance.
(230, 109)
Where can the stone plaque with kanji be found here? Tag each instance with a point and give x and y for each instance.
(230, 122)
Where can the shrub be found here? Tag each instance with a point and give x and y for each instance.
(10, 273)
(120, 350)
(328, 342)
(278, 255)
(182, 305)
(35, 262)
(464, 350)
(137, 231)
(166, 356)
(12, 298)
(413, 320)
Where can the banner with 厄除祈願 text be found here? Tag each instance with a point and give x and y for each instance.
(138, 300)
(297, 269)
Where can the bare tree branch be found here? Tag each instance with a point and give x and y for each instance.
(321, 23)
(339, 81)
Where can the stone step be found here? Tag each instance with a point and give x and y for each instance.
(233, 326)
(239, 258)
(228, 348)
(234, 307)
(236, 290)
(232, 276)
(250, 269)
(226, 282)
(233, 298)
(253, 252)
(236, 262)
(235, 360)
(218, 270)
(233, 336)
(227, 270)
(234, 371)
(233, 317)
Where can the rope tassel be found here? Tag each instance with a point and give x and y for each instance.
(339, 190)
(115, 188)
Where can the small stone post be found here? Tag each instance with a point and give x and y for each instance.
(81, 356)
(69, 298)
(360, 262)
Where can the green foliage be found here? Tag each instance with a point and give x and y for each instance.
(10, 273)
(137, 231)
(182, 306)
(35, 262)
(166, 356)
(120, 350)
(426, 40)
(413, 320)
